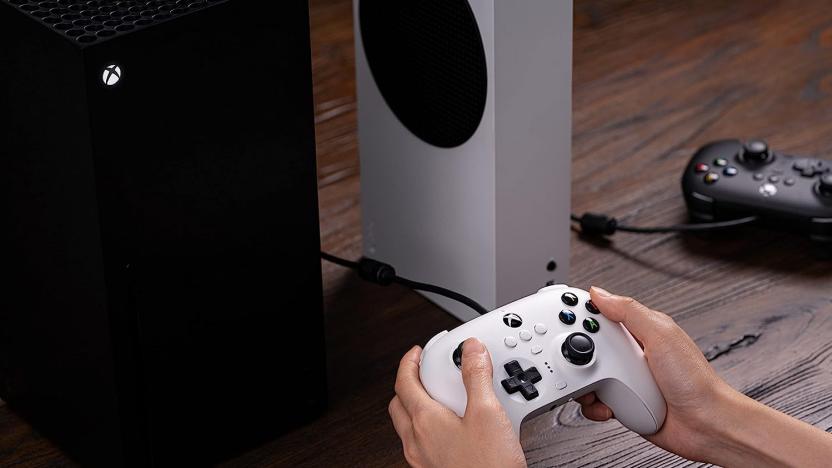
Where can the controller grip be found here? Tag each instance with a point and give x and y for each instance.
(642, 412)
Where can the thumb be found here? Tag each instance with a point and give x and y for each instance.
(477, 373)
(641, 321)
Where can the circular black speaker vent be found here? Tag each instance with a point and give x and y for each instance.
(428, 61)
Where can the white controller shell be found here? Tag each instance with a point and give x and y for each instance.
(618, 372)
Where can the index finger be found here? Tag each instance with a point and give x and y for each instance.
(409, 386)
(641, 321)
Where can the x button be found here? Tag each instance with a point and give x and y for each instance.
(521, 380)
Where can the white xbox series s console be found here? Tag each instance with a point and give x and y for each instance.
(547, 349)
(465, 138)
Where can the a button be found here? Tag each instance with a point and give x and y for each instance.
(541, 328)
(711, 178)
(560, 385)
(510, 341)
(720, 162)
(592, 308)
(774, 179)
(521, 380)
(702, 168)
(512, 320)
(578, 349)
(730, 171)
(790, 181)
(591, 325)
(525, 335)
(759, 176)
(537, 349)
(768, 190)
(569, 299)
(567, 317)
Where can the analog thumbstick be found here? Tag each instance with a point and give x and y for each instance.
(578, 349)
(457, 356)
(825, 186)
(756, 151)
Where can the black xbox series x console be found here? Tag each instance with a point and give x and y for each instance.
(158, 176)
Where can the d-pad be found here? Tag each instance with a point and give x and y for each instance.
(811, 167)
(522, 380)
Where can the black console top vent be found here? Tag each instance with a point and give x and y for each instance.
(88, 21)
(428, 60)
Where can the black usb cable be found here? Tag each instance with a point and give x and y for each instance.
(598, 224)
(383, 274)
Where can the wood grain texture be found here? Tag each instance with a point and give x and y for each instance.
(654, 80)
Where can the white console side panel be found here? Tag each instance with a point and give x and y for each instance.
(486, 217)
(429, 211)
(533, 122)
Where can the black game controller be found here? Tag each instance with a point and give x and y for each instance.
(730, 180)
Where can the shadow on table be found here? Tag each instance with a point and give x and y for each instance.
(752, 247)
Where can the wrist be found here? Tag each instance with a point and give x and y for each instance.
(730, 442)
(749, 433)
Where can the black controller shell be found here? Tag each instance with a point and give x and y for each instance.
(798, 206)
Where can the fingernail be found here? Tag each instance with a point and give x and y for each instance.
(601, 292)
(473, 346)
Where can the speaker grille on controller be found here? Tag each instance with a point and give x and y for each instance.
(88, 21)
(428, 61)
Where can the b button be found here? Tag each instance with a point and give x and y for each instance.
(592, 308)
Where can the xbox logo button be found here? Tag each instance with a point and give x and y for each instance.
(768, 190)
(111, 75)
(512, 320)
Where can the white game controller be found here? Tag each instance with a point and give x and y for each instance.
(547, 349)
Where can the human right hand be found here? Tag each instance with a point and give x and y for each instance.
(706, 420)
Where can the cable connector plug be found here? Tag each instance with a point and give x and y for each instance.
(383, 274)
(593, 224)
(376, 272)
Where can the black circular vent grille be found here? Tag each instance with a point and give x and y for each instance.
(88, 21)
(428, 61)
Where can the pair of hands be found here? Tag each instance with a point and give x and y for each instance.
(706, 419)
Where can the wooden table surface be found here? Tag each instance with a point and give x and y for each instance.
(654, 80)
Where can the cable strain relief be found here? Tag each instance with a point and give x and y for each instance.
(376, 272)
(598, 224)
